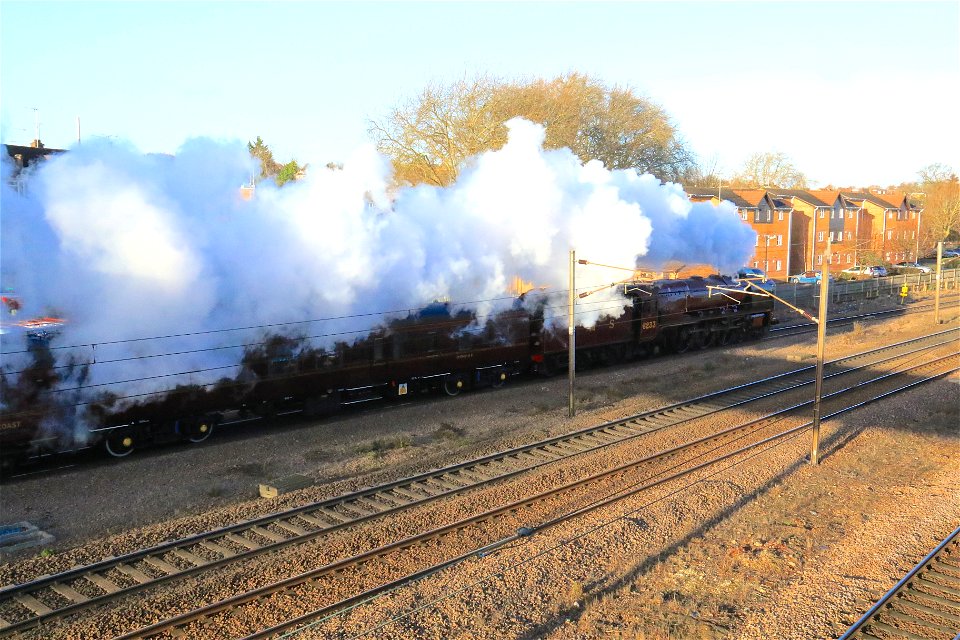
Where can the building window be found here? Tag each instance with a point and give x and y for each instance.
(823, 214)
(849, 235)
(913, 235)
(913, 214)
(820, 236)
(888, 256)
(758, 241)
(890, 216)
(743, 215)
(820, 259)
(780, 240)
(780, 215)
(779, 265)
(833, 212)
(848, 258)
(766, 266)
(889, 235)
(849, 215)
(756, 264)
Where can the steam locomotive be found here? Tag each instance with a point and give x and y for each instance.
(433, 350)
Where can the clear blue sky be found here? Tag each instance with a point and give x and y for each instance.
(854, 93)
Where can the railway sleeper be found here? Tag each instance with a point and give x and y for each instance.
(241, 541)
(161, 565)
(190, 558)
(930, 611)
(218, 549)
(69, 592)
(134, 573)
(286, 525)
(105, 585)
(31, 603)
(913, 620)
(391, 499)
(334, 516)
(269, 535)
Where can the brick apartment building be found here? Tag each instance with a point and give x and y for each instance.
(794, 225)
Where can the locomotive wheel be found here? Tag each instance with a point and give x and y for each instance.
(682, 341)
(500, 380)
(200, 431)
(120, 444)
(453, 385)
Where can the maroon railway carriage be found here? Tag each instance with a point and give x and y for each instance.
(427, 351)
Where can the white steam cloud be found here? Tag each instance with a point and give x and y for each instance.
(125, 245)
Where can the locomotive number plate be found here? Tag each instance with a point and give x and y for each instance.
(649, 324)
(402, 389)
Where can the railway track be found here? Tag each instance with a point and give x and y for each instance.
(923, 605)
(291, 603)
(785, 331)
(32, 603)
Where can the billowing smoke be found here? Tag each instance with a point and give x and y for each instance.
(126, 246)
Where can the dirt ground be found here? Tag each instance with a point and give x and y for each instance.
(800, 559)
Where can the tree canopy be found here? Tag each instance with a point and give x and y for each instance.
(940, 195)
(431, 137)
(769, 169)
(269, 167)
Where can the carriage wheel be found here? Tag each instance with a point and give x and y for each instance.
(119, 444)
(453, 384)
(200, 431)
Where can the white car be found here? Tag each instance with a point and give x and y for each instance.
(913, 266)
(866, 271)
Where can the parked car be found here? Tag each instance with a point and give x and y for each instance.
(947, 253)
(913, 266)
(757, 277)
(866, 271)
(808, 277)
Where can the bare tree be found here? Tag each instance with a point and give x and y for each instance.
(768, 169)
(940, 197)
(431, 137)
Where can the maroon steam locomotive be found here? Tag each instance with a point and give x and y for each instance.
(430, 351)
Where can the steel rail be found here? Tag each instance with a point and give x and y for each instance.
(340, 565)
(392, 497)
(907, 586)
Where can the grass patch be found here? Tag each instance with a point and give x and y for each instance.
(316, 455)
(448, 431)
(381, 445)
(217, 490)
